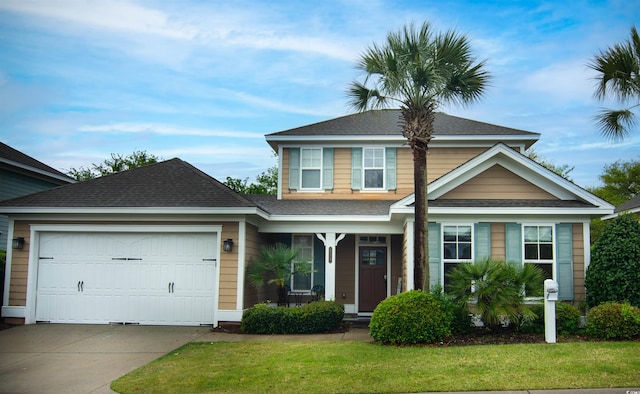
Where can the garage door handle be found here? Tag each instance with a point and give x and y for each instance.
(172, 285)
(82, 286)
(78, 286)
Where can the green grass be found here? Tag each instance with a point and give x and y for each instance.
(358, 367)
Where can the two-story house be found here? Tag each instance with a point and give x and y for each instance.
(167, 244)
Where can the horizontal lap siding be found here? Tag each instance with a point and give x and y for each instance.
(439, 161)
(497, 241)
(579, 292)
(20, 266)
(345, 270)
(498, 183)
(228, 268)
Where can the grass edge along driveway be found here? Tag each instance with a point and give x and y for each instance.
(357, 367)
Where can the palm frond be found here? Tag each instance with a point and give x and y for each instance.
(615, 125)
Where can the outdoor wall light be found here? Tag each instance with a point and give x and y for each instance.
(17, 243)
(227, 245)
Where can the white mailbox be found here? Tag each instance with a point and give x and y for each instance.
(550, 290)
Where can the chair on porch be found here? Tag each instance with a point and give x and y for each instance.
(317, 293)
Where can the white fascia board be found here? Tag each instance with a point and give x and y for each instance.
(335, 227)
(38, 171)
(329, 218)
(615, 214)
(453, 211)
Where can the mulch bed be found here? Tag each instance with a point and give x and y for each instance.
(477, 336)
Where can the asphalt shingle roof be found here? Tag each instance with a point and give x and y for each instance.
(8, 153)
(320, 207)
(388, 122)
(631, 204)
(171, 183)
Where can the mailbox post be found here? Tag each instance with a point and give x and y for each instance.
(550, 298)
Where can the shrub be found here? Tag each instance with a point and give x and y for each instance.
(410, 318)
(496, 289)
(613, 320)
(614, 271)
(567, 319)
(320, 316)
(456, 312)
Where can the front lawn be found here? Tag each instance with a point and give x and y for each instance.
(356, 367)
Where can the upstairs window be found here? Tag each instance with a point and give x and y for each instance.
(311, 168)
(373, 167)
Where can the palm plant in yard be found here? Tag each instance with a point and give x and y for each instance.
(419, 71)
(618, 70)
(496, 289)
(276, 265)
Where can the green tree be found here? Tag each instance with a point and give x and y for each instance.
(266, 183)
(418, 71)
(116, 163)
(563, 170)
(618, 70)
(614, 271)
(621, 182)
(496, 289)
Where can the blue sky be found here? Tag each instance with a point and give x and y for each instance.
(206, 80)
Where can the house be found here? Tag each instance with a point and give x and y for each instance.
(167, 244)
(20, 175)
(631, 206)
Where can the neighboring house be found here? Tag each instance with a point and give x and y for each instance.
(148, 245)
(21, 175)
(629, 207)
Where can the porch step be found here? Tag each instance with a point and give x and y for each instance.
(357, 321)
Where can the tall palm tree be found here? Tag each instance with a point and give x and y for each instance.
(419, 71)
(618, 70)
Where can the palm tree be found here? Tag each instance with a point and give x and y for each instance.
(419, 71)
(618, 70)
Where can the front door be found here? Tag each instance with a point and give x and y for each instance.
(373, 277)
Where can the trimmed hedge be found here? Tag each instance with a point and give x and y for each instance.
(613, 320)
(568, 319)
(319, 316)
(410, 318)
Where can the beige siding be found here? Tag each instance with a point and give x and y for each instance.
(20, 266)
(498, 183)
(439, 162)
(345, 270)
(228, 290)
(579, 292)
(498, 250)
(396, 262)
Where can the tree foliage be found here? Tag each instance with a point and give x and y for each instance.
(266, 183)
(116, 163)
(614, 271)
(418, 71)
(561, 169)
(618, 77)
(621, 182)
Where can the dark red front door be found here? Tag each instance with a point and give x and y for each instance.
(373, 282)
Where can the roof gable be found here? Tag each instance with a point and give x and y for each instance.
(565, 193)
(172, 183)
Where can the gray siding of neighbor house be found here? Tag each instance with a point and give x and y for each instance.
(15, 185)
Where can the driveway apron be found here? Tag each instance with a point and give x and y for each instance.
(62, 358)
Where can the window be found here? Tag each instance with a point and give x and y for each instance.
(538, 248)
(373, 166)
(311, 168)
(304, 243)
(456, 246)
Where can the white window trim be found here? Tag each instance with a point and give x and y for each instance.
(553, 247)
(445, 261)
(384, 169)
(319, 168)
(312, 237)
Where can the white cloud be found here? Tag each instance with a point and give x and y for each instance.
(161, 129)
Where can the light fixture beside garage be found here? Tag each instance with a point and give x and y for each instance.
(17, 243)
(228, 245)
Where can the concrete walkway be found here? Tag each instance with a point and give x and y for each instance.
(59, 358)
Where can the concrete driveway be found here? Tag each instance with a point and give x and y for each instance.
(61, 358)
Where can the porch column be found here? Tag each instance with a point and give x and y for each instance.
(409, 261)
(330, 242)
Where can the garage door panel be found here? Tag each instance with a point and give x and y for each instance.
(150, 278)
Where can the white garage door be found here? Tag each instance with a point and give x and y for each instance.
(145, 278)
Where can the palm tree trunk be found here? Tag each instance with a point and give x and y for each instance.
(421, 228)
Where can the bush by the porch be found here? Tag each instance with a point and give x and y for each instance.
(568, 319)
(316, 317)
(410, 318)
(614, 272)
(613, 320)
